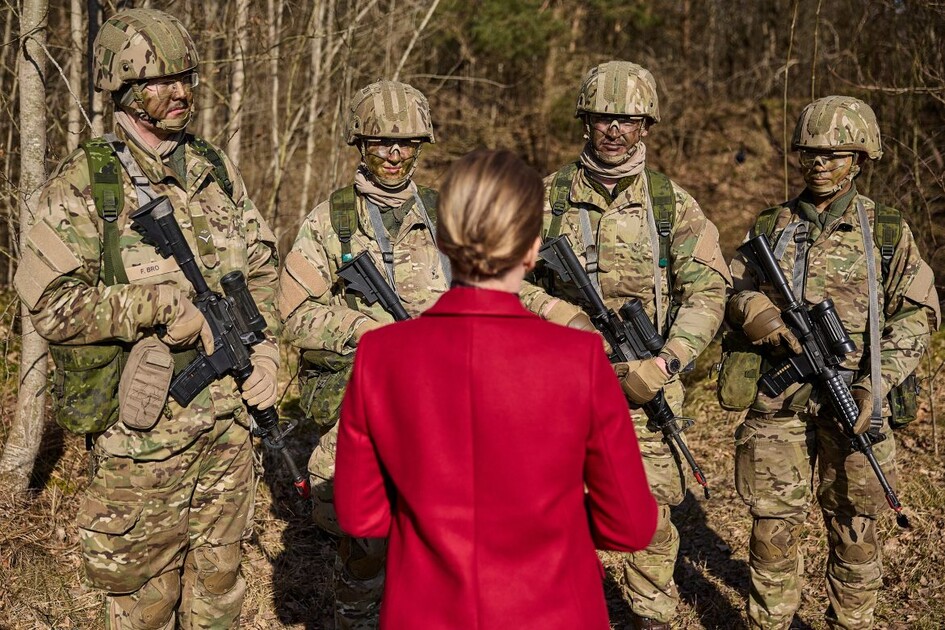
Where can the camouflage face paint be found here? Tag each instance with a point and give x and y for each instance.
(390, 161)
(615, 143)
(827, 172)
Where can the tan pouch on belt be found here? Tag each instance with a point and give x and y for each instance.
(145, 380)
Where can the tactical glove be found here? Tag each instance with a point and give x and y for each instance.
(862, 393)
(261, 389)
(581, 321)
(183, 321)
(641, 380)
(761, 320)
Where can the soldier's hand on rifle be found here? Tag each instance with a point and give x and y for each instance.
(567, 314)
(641, 379)
(581, 321)
(863, 395)
(261, 389)
(183, 321)
(761, 321)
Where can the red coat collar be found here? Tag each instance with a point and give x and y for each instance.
(473, 301)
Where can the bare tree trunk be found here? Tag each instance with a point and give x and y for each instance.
(22, 445)
(208, 118)
(241, 42)
(274, 10)
(319, 36)
(76, 59)
(7, 228)
(96, 101)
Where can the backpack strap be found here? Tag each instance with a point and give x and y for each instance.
(212, 155)
(664, 210)
(560, 190)
(766, 222)
(887, 230)
(343, 213)
(105, 174)
(429, 197)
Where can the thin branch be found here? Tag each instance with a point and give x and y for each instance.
(416, 36)
(64, 80)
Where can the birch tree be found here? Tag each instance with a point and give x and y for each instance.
(22, 445)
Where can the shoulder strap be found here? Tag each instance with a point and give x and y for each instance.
(664, 210)
(766, 221)
(104, 171)
(560, 190)
(887, 230)
(429, 197)
(343, 214)
(212, 155)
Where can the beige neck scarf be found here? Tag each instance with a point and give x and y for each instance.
(606, 173)
(127, 123)
(379, 196)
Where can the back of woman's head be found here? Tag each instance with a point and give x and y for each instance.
(489, 213)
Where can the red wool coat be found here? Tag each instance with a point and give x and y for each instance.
(467, 436)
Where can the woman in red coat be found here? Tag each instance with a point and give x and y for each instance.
(494, 449)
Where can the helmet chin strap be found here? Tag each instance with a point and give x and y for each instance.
(132, 98)
(854, 171)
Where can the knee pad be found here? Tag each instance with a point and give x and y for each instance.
(362, 558)
(217, 569)
(774, 539)
(853, 539)
(149, 608)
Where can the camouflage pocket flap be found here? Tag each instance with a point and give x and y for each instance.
(97, 514)
(326, 360)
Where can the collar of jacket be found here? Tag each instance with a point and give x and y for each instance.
(475, 301)
(585, 190)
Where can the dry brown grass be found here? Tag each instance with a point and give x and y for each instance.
(288, 563)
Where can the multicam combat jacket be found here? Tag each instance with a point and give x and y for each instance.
(836, 269)
(69, 303)
(311, 300)
(694, 281)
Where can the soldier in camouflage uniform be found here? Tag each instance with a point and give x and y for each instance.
(161, 522)
(640, 236)
(386, 214)
(822, 238)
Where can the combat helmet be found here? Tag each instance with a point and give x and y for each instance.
(136, 45)
(618, 87)
(838, 123)
(389, 109)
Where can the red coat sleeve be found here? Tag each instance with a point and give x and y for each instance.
(361, 500)
(621, 509)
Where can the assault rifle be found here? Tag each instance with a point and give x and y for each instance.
(824, 342)
(234, 320)
(631, 335)
(361, 276)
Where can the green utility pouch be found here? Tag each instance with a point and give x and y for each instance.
(904, 402)
(323, 376)
(739, 372)
(85, 386)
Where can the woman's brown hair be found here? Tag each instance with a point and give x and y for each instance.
(489, 213)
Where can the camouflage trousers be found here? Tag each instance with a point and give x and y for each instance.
(162, 538)
(646, 577)
(359, 568)
(775, 456)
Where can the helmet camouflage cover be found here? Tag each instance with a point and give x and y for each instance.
(389, 109)
(619, 87)
(141, 44)
(838, 123)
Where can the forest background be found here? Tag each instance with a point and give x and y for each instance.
(275, 80)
